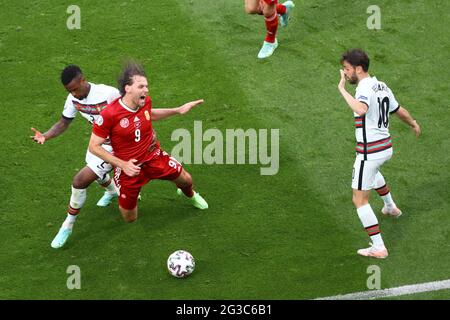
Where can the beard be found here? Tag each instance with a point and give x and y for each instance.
(353, 79)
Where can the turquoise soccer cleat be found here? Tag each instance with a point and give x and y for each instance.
(197, 200)
(61, 238)
(284, 18)
(106, 199)
(267, 49)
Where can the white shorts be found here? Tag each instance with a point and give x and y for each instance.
(365, 171)
(100, 167)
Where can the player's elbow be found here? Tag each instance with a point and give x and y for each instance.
(361, 112)
(361, 109)
(93, 148)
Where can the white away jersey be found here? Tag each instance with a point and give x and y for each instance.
(99, 96)
(372, 129)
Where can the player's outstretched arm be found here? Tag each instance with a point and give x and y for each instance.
(357, 106)
(95, 147)
(58, 128)
(404, 115)
(159, 114)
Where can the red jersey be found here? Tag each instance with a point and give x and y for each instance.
(130, 131)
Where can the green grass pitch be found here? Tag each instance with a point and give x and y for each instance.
(293, 235)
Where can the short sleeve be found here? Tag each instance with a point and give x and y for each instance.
(363, 94)
(393, 104)
(113, 94)
(103, 125)
(69, 111)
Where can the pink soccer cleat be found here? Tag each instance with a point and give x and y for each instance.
(372, 251)
(394, 211)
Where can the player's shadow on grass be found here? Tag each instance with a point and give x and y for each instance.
(153, 216)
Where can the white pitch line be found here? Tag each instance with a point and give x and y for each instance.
(393, 292)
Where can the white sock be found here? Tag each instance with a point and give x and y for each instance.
(77, 200)
(388, 201)
(70, 220)
(370, 223)
(110, 188)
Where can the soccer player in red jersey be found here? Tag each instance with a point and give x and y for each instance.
(127, 122)
(270, 9)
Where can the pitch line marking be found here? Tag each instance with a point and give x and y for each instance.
(393, 292)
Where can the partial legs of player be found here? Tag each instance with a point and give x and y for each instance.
(184, 184)
(271, 10)
(389, 208)
(367, 176)
(110, 192)
(284, 12)
(128, 198)
(129, 215)
(370, 223)
(82, 180)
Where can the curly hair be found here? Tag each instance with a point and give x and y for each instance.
(69, 73)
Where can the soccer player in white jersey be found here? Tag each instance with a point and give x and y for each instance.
(88, 99)
(372, 105)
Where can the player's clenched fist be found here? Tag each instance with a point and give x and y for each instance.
(341, 84)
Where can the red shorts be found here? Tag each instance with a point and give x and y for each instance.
(161, 166)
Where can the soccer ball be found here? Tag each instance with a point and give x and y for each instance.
(180, 264)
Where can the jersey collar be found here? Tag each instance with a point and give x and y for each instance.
(126, 108)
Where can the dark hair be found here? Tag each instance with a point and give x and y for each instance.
(356, 57)
(69, 73)
(130, 70)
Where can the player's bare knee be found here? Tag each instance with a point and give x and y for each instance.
(253, 11)
(79, 183)
(269, 11)
(84, 178)
(252, 8)
(357, 201)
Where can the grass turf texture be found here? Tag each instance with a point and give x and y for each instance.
(289, 236)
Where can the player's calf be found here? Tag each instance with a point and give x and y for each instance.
(184, 182)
